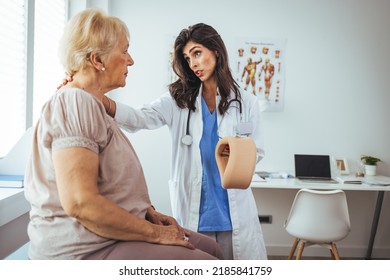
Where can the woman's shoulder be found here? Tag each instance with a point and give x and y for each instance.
(249, 100)
(246, 95)
(68, 100)
(71, 93)
(74, 113)
(166, 100)
(77, 98)
(167, 96)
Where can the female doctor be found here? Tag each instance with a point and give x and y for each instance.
(203, 105)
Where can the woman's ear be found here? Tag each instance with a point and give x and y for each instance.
(96, 62)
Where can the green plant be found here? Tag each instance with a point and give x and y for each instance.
(369, 160)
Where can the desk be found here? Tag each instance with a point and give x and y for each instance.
(14, 218)
(297, 184)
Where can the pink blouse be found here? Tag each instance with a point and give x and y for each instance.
(75, 118)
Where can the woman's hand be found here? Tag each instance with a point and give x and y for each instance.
(158, 218)
(179, 234)
(174, 235)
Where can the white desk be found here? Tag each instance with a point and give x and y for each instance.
(296, 184)
(14, 218)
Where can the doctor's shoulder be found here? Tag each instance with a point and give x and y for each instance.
(167, 106)
(248, 99)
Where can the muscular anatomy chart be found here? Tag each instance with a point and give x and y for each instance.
(258, 67)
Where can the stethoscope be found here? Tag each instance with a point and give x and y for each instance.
(187, 138)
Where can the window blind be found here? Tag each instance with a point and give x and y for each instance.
(50, 19)
(12, 73)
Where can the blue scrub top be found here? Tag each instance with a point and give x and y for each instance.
(214, 212)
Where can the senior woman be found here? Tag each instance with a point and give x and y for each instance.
(86, 186)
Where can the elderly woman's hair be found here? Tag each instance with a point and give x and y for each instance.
(89, 31)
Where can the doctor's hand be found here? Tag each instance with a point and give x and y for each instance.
(65, 81)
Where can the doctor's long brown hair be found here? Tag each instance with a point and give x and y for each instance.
(186, 88)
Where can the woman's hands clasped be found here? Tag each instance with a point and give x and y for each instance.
(169, 231)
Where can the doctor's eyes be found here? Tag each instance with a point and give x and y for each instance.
(194, 55)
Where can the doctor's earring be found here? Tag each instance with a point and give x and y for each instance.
(103, 68)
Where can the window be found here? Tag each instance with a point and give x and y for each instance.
(27, 79)
(50, 20)
(12, 73)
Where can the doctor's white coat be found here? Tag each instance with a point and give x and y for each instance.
(186, 168)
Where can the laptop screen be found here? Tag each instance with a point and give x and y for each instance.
(312, 166)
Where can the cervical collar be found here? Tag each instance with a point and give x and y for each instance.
(236, 161)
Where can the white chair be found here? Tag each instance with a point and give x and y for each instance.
(318, 218)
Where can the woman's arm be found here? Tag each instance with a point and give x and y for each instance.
(80, 198)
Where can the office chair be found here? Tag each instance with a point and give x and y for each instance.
(318, 218)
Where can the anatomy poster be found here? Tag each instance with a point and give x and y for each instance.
(259, 68)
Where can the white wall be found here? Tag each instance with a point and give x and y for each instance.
(336, 95)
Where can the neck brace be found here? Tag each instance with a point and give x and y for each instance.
(236, 161)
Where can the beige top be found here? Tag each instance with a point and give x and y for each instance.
(74, 118)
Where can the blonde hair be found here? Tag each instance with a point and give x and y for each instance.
(89, 31)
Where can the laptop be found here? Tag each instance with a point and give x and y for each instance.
(313, 168)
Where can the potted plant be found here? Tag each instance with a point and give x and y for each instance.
(370, 164)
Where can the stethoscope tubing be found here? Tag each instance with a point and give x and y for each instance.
(187, 138)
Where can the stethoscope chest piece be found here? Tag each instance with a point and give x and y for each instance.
(186, 140)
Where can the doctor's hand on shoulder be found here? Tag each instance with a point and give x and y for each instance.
(170, 232)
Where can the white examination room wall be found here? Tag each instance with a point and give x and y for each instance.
(336, 93)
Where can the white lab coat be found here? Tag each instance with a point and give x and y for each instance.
(186, 168)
